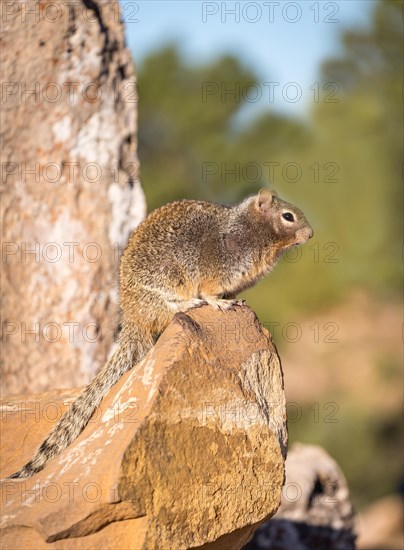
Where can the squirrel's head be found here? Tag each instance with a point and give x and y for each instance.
(287, 222)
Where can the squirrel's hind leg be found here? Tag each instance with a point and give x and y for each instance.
(185, 305)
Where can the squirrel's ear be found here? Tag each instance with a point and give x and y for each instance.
(264, 199)
(274, 193)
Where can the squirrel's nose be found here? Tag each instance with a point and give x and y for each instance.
(311, 233)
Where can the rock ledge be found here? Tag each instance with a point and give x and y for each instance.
(186, 451)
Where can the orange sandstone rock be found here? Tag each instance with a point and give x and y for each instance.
(186, 451)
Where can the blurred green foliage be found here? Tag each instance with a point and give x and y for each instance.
(342, 165)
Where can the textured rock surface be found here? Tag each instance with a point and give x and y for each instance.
(70, 193)
(186, 451)
(316, 511)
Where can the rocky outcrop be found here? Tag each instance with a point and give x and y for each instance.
(316, 510)
(70, 190)
(186, 451)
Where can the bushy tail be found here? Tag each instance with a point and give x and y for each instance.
(130, 351)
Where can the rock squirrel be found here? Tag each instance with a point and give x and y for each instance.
(183, 255)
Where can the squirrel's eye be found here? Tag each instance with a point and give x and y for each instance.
(288, 216)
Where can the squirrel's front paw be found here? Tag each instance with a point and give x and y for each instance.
(224, 305)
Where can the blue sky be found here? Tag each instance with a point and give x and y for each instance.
(281, 41)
